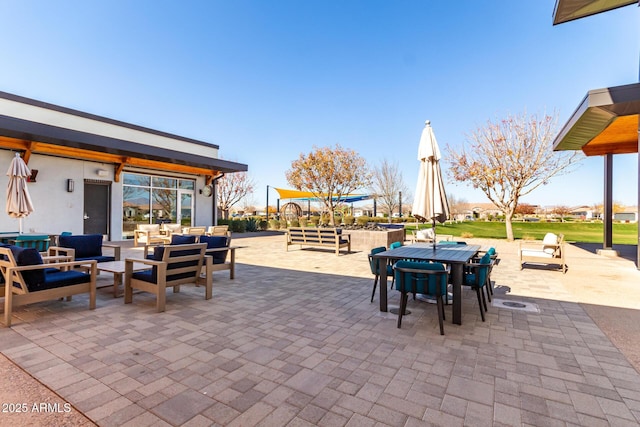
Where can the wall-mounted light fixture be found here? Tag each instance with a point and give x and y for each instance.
(102, 172)
(32, 177)
(70, 186)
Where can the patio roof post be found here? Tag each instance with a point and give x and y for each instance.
(608, 202)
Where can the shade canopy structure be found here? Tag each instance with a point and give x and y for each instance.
(430, 201)
(568, 10)
(19, 203)
(605, 123)
(309, 196)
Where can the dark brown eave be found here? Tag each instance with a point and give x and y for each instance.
(605, 122)
(35, 127)
(569, 10)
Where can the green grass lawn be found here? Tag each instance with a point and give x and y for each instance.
(573, 231)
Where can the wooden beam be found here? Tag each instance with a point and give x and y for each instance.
(79, 153)
(119, 168)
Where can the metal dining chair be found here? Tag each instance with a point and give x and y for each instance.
(373, 264)
(421, 278)
(475, 276)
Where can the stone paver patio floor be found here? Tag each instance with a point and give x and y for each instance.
(294, 340)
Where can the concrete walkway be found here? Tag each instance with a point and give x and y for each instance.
(294, 340)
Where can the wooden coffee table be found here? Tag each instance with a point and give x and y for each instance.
(117, 268)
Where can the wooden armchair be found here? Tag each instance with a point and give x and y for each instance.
(27, 279)
(194, 231)
(218, 247)
(83, 247)
(171, 266)
(218, 230)
(148, 234)
(169, 229)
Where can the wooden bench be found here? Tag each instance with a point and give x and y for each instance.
(548, 251)
(327, 237)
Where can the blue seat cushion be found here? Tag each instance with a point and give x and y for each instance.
(64, 278)
(87, 246)
(99, 258)
(151, 276)
(216, 242)
(29, 256)
(420, 284)
(179, 239)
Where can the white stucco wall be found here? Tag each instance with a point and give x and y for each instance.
(57, 210)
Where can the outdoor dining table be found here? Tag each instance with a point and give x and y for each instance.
(454, 255)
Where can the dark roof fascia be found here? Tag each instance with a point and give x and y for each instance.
(563, 11)
(53, 107)
(596, 111)
(39, 132)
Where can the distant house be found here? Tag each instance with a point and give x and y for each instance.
(626, 216)
(583, 212)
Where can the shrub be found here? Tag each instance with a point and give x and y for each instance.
(283, 223)
(263, 224)
(466, 235)
(238, 226)
(348, 220)
(295, 223)
(303, 222)
(274, 224)
(362, 220)
(315, 220)
(252, 224)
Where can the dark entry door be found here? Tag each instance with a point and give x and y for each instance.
(96, 207)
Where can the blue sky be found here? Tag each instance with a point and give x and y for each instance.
(268, 80)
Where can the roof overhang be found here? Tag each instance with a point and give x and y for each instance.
(38, 127)
(568, 10)
(605, 122)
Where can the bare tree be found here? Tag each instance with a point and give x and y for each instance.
(562, 211)
(386, 185)
(329, 174)
(457, 206)
(510, 158)
(232, 188)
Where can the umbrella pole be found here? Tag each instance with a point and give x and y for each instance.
(434, 234)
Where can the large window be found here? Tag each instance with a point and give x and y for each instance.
(150, 199)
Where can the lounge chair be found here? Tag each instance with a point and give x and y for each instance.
(171, 266)
(149, 234)
(27, 279)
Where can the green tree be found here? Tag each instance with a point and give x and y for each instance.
(330, 174)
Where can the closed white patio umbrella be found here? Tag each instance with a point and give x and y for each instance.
(19, 203)
(430, 201)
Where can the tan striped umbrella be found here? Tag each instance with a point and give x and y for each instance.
(19, 203)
